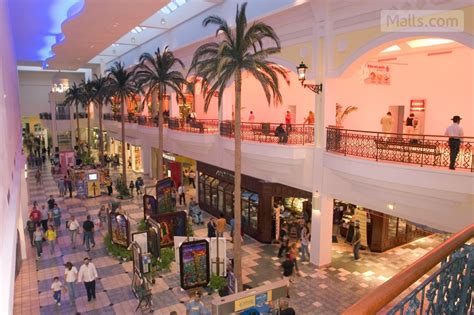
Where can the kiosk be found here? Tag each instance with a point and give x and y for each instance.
(93, 184)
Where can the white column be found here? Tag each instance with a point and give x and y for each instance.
(146, 160)
(321, 230)
(23, 214)
(54, 128)
(132, 152)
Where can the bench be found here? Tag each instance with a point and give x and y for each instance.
(407, 146)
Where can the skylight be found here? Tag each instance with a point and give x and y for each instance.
(138, 29)
(424, 42)
(391, 48)
(172, 6)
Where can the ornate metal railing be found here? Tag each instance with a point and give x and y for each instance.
(81, 115)
(63, 116)
(402, 148)
(45, 116)
(448, 290)
(194, 126)
(266, 132)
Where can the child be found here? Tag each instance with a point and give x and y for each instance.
(56, 287)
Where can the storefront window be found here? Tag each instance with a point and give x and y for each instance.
(229, 200)
(392, 227)
(202, 180)
(402, 227)
(214, 185)
(253, 210)
(220, 197)
(207, 189)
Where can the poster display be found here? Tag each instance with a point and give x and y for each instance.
(360, 215)
(194, 264)
(153, 230)
(150, 207)
(164, 188)
(376, 73)
(119, 229)
(171, 224)
(136, 258)
(81, 191)
(231, 282)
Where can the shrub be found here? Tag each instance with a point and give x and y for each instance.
(116, 250)
(122, 188)
(141, 226)
(217, 283)
(164, 262)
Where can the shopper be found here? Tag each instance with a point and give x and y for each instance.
(288, 121)
(31, 227)
(35, 215)
(182, 194)
(38, 236)
(61, 187)
(285, 309)
(288, 265)
(455, 133)
(173, 197)
(56, 214)
(44, 218)
(410, 124)
(50, 236)
(305, 236)
(195, 306)
(192, 178)
(137, 186)
(131, 186)
(88, 274)
(310, 119)
(88, 227)
(284, 240)
(70, 278)
(251, 117)
(281, 134)
(73, 227)
(293, 252)
(102, 216)
(220, 225)
(211, 228)
(386, 122)
(108, 184)
(56, 287)
(51, 202)
(356, 242)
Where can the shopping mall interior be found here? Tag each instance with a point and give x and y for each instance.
(237, 157)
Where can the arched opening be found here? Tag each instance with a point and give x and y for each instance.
(429, 77)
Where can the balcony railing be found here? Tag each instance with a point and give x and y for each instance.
(45, 116)
(402, 148)
(63, 116)
(194, 126)
(81, 116)
(448, 290)
(300, 134)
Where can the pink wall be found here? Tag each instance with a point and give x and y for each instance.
(445, 81)
(11, 161)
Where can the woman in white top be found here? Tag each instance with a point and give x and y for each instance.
(70, 277)
(304, 242)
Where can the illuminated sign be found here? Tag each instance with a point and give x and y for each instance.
(417, 105)
(244, 303)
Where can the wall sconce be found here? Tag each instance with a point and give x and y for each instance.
(391, 206)
(301, 69)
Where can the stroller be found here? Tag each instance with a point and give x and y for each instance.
(196, 214)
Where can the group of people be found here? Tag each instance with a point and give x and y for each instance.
(291, 249)
(137, 186)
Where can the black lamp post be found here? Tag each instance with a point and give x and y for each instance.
(316, 88)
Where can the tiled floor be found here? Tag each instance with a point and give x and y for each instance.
(327, 290)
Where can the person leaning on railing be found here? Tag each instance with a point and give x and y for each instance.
(455, 133)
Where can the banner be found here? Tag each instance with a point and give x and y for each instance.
(81, 191)
(360, 215)
(163, 196)
(376, 73)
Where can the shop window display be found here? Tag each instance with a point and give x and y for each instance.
(229, 200)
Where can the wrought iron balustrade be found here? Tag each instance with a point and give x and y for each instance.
(194, 125)
(45, 116)
(447, 290)
(422, 150)
(266, 132)
(63, 116)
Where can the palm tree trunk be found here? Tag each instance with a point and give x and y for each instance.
(78, 130)
(101, 139)
(237, 181)
(89, 129)
(161, 95)
(124, 162)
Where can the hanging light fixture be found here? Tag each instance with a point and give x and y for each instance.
(301, 70)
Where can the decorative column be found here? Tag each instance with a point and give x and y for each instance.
(54, 128)
(321, 230)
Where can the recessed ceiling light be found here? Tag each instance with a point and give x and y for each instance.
(115, 45)
(425, 42)
(180, 2)
(165, 10)
(172, 6)
(138, 29)
(391, 48)
(133, 39)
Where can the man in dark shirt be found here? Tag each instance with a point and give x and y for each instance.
(281, 134)
(285, 309)
(51, 202)
(88, 227)
(288, 266)
(284, 239)
(211, 228)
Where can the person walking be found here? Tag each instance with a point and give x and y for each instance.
(410, 124)
(44, 218)
(70, 278)
(131, 186)
(182, 194)
(284, 240)
(108, 184)
(211, 228)
(220, 225)
(386, 122)
(102, 216)
(56, 287)
(288, 122)
(356, 242)
(61, 187)
(51, 236)
(192, 178)
(56, 214)
(455, 133)
(138, 187)
(67, 186)
(288, 265)
(88, 227)
(51, 202)
(305, 235)
(88, 274)
(73, 227)
(31, 227)
(38, 176)
(173, 196)
(38, 236)
(195, 306)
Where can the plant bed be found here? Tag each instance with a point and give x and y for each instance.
(117, 251)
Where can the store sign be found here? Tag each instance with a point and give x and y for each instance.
(168, 156)
(376, 73)
(225, 175)
(244, 303)
(417, 105)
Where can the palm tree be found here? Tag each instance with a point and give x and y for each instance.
(100, 98)
(155, 74)
(218, 63)
(121, 85)
(74, 96)
(87, 97)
